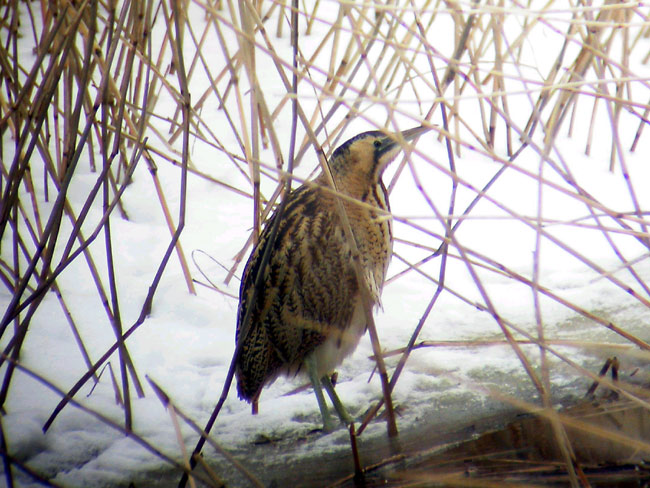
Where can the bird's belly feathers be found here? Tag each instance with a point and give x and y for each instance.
(340, 344)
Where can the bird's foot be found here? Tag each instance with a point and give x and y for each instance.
(329, 426)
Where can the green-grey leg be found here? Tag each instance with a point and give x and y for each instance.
(338, 405)
(328, 424)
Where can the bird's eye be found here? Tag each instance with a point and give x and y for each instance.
(377, 143)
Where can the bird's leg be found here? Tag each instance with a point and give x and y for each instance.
(328, 424)
(338, 405)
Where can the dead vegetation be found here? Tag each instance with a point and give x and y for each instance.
(113, 86)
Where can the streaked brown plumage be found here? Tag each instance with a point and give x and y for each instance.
(308, 314)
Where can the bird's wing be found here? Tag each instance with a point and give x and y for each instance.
(309, 286)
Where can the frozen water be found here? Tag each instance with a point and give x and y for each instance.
(185, 345)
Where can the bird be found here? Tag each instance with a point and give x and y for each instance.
(305, 313)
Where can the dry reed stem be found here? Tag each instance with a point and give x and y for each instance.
(102, 418)
(379, 56)
(169, 404)
(559, 433)
(501, 342)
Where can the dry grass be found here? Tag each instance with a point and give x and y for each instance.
(97, 88)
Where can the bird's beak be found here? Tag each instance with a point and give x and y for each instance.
(392, 143)
(410, 134)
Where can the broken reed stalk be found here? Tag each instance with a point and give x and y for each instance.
(359, 478)
(486, 64)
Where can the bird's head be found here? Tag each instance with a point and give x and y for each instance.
(361, 161)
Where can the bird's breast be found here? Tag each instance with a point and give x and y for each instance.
(373, 235)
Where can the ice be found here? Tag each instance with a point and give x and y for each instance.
(186, 343)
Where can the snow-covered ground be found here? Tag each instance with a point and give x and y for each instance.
(186, 344)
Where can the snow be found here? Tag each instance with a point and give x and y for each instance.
(185, 344)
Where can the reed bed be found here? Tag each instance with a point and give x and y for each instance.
(93, 91)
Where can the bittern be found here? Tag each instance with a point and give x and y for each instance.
(306, 313)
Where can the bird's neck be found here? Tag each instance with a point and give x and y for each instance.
(359, 188)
